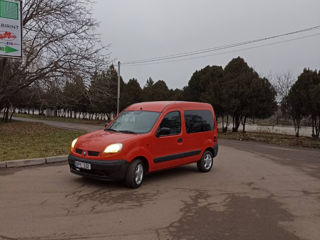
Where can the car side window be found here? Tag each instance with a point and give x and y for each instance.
(198, 121)
(172, 123)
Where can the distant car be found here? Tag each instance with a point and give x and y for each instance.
(148, 137)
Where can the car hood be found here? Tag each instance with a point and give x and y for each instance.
(99, 140)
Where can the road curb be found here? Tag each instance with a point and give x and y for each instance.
(3, 164)
(33, 162)
(56, 159)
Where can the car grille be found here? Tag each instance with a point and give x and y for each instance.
(90, 153)
(78, 150)
(93, 154)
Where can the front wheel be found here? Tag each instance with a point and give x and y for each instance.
(206, 162)
(135, 174)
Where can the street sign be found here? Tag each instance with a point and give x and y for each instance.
(10, 28)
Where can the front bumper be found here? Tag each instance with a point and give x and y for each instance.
(105, 170)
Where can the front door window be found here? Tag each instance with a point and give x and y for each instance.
(171, 123)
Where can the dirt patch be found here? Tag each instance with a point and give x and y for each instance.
(243, 218)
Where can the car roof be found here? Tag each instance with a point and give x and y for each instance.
(159, 106)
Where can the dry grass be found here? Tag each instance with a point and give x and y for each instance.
(23, 140)
(273, 138)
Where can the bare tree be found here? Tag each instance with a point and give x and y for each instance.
(282, 85)
(59, 39)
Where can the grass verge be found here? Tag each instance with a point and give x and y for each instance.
(273, 138)
(23, 140)
(61, 119)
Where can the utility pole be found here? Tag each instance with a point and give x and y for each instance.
(118, 95)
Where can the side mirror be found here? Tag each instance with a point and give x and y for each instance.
(163, 132)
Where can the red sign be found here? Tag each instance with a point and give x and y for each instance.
(7, 36)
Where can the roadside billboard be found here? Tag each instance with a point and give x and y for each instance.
(10, 28)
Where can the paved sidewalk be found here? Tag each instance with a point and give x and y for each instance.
(67, 125)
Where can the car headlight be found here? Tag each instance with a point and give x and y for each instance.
(113, 148)
(74, 143)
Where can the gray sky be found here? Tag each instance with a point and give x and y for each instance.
(139, 29)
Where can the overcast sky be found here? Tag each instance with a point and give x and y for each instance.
(139, 29)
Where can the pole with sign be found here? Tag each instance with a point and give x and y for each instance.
(10, 28)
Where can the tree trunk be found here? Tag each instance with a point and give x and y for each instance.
(227, 124)
(314, 123)
(233, 123)
(222, 123)
(6, 114)
(236, 123)
(296, 123)
(244, 124)
(318, 133)
(317, 126)
(11, 115)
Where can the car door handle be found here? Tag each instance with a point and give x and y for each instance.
(180, 140)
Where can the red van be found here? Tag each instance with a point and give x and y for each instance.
(148, 137)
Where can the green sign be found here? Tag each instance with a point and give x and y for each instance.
(8, 49)
(9, 10)
(10, 28)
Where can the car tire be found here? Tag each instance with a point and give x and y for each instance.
(135, 174)
(206, 162)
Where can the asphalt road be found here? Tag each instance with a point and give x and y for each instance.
(255, 191)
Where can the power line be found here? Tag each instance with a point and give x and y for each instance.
(226, 52)
(214, 49)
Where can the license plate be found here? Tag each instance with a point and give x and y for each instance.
(82, 165)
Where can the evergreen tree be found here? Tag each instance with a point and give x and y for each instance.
(103, 91)
(132, 93)
(158, 91)
(75, 95)
(302, 100)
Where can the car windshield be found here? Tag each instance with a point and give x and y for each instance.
(134, 122)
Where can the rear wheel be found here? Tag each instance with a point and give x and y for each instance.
(206, 162)
(135, 174)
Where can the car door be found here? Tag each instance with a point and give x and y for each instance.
(198, 128)
(168, 145)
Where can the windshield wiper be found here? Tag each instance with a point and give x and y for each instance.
(110, 129)
(127, 131)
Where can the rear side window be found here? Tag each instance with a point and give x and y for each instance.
(172, 121)
(198, 121)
